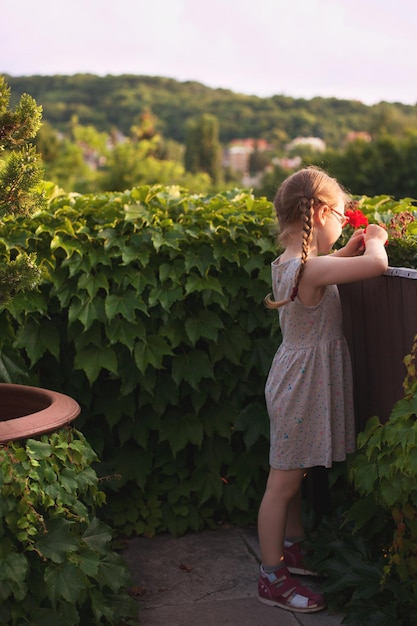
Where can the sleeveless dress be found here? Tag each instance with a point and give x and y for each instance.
(309, 390)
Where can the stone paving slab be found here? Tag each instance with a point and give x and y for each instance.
(206, 579)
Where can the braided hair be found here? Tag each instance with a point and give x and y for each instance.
(295, 202)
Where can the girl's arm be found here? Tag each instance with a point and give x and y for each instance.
(335, 268)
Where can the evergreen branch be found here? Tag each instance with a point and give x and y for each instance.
(20, 175)
(19, 275)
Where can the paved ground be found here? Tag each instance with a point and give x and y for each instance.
(207, 579)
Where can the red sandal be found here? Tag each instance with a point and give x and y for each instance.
(280, 589)
(294, 560)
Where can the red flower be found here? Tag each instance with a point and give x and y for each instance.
(356, 218)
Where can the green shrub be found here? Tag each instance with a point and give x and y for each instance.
(56, 561)
(151, 316)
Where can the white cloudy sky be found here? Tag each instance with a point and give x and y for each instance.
(354, 49)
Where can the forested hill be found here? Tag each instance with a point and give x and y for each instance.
(116, 102)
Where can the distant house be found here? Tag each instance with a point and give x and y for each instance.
(287, 163)
(315, 143)
(358, 136)
(237, 154)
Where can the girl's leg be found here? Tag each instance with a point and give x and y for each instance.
(294, 530)
(276, 587)
(294, 537)
(282, 487)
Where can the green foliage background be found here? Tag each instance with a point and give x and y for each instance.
(151, 315)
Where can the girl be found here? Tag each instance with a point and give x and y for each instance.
(309, 387)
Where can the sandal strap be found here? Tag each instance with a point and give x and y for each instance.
(288, 586)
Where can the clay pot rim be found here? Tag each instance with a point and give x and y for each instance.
(61, 410)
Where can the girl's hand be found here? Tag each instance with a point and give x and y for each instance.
(355, 246)
(374, 232)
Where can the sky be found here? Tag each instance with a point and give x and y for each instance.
(349, 49)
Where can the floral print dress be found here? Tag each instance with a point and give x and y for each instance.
(308, 392)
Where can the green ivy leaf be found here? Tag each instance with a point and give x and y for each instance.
(14, 568)
(92, 283)
(97, 535)
(93, 359)
(151, 352)
(170, 239)
(87, 311)
(33, 301)
(70, 247)
(202, 283)
(64, 581)
(68, 480)
(124, 304)
(58, 541)
(12, 366)
(192, 367)
(202, 259)
(112, 571)
(88, 561)
(38, 337)
(254, 423)
(230, 345)
(166, 297)
(38, 449)
(131, 254)
(125, 332)
(191, 431)
(207, 484)
(206, 324)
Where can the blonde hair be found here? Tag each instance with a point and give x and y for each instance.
(296, 201)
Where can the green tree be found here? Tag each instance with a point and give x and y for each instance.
(271, 181)
(132, 163)
(203, 149)
(47, 142)
(258, 160)
(20, 175)
(376, 167)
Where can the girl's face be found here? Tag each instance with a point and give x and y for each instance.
(335, 221)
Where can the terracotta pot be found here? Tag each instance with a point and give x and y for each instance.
(27, 411)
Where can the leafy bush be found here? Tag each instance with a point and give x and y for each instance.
(151, 316)
(56, 561)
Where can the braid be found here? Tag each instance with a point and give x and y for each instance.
(307, 212)
(306, 209)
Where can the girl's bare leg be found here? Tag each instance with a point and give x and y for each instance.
(295, 529)
(281, 489)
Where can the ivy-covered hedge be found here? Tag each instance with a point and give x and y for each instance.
(151, 315)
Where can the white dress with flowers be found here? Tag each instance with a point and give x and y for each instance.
(309, 387)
